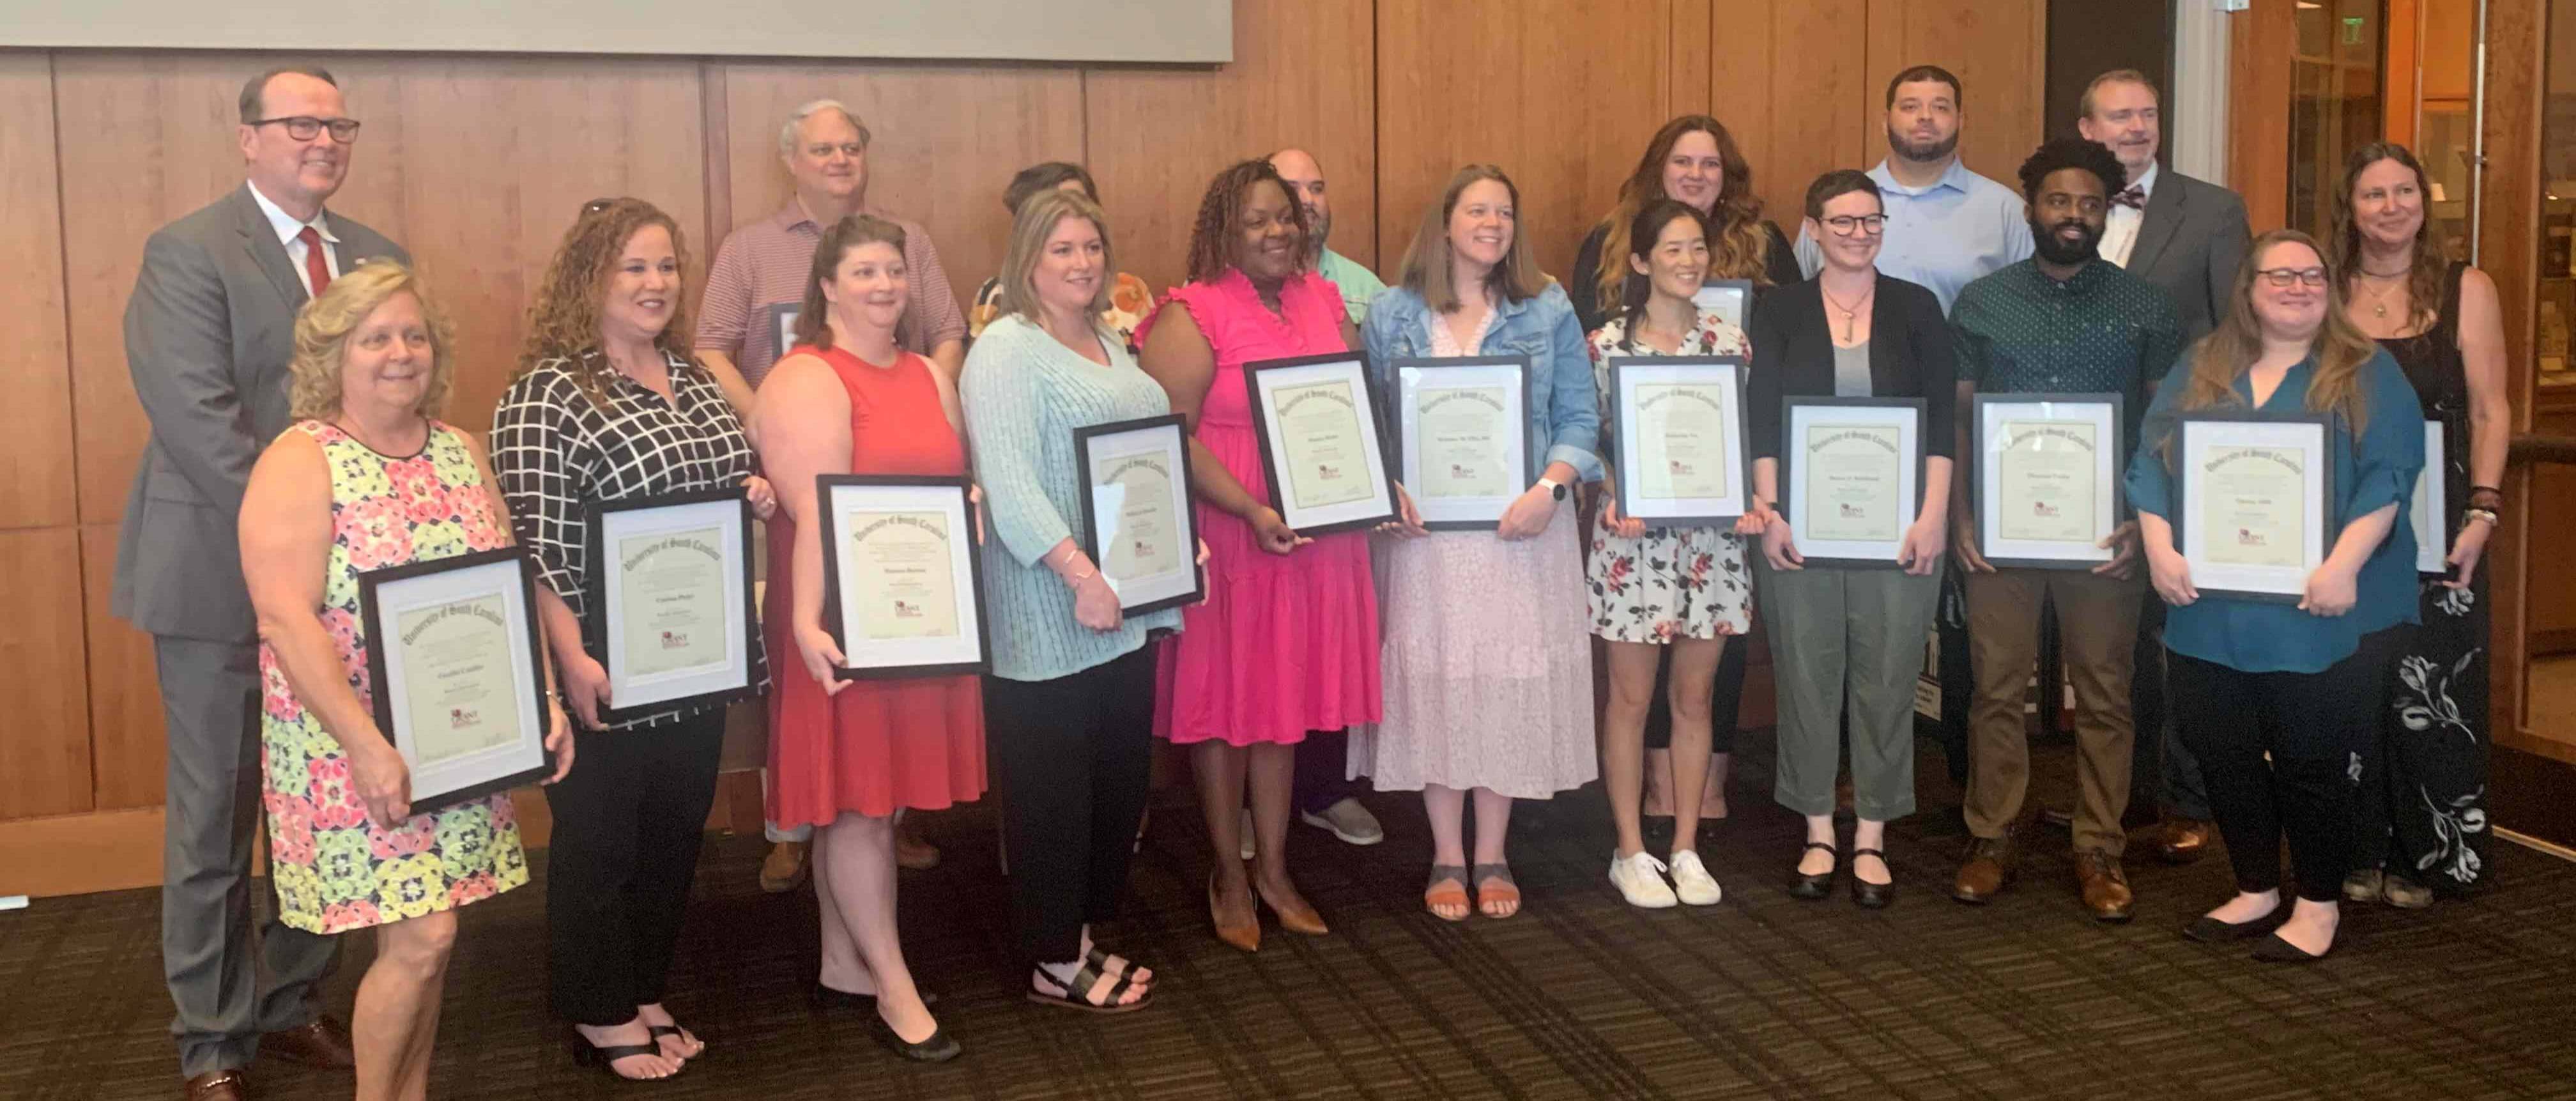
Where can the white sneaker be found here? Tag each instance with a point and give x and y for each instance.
(1640, 879)
(1248, 850)
(1347, 820)
(1691, 881)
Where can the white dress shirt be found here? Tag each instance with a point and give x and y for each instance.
(289, 233)
(2120, 225)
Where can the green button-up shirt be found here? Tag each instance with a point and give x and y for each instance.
(2104, 331)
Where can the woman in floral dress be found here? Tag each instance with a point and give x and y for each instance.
(366, 479)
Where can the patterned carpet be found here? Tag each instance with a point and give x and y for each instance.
(1580, 996)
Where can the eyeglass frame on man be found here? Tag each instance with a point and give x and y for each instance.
(344, 131)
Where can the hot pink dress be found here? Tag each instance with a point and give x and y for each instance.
(1285, 643)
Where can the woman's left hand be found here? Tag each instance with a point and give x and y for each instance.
(764, 498)
(1528, 516)
(558, 740)
(2332, 591)
(1920, 553)
(975, 500)
(2465, 552)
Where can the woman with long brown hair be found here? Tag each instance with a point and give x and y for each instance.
(2422, 815)
(2275, 699)
(609, 405)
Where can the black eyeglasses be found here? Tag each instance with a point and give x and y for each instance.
(1845, 225)
(306, 127)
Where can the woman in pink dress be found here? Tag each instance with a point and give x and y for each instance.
(1287, 641)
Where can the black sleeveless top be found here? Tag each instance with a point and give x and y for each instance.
(2431, 360)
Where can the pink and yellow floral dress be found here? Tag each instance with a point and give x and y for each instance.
(334, 870)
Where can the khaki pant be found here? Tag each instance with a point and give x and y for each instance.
(1846, 644)
(2097, 621)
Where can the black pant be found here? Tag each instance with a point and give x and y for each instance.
(2162, 773)
(2313, 726)
(1323, 772)
(1722, 703)
(1074, 757)
(628, 821)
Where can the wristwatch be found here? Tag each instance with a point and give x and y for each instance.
(1553, 486)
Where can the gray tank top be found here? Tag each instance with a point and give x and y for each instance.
(1851, 371)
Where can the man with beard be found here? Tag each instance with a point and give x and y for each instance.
(1358, 284)
(1946, 226)
(2064, 321)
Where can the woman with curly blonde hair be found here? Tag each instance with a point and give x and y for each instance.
(610, 406)
(368, 478)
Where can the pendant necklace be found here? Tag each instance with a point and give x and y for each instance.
(1850, 313)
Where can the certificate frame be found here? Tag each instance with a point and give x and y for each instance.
(2430, 511)
(1164, 437)
(1513, 372)
(637, 693)
(2106, 415)
(966, 649)
(1798, 414)
(1376, 505)
(386, 595)
(1627, 373)
(1729, 299)
(782, 326)
(2308, 435)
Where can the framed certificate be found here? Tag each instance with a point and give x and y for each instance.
(2048, 478)
(1678, 421)
(1852, 472)
(674, 614)
(2254, 519)
(782, 325)
(1317, 424)
(1463, 443)
(459, 673)
(903, 589)
(1136, 519)
(1731, 299)
(2428, 511)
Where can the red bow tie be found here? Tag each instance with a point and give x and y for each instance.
(2133, 197)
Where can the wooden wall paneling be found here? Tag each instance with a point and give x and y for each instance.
(2262, 41)
(128, 750)
(45, 758)
(1997, 48)
(944, 141)
(1686, 89)
(2401, 75)
(1795, 110)
(1561, 94)
(2509, 249)
(1301, 77)
(36, 423)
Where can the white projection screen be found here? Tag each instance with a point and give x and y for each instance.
(1172, 31)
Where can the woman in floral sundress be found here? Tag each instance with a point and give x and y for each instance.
(365, 479)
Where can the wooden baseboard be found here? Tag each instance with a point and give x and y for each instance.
(2552, 643)
(2530, 794)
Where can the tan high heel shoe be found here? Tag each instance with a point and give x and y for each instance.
(1246, 935)
(1296, 916)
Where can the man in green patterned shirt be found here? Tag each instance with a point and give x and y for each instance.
(1306, 178)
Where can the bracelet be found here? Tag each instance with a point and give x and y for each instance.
(2486, 514)
(2475, 490)
(1086, 575)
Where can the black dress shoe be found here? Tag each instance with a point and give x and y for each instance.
(2275, 950)
(824, 997)
(1872, 896)
(1802, 885)
(2210, 930)
(938, 1048)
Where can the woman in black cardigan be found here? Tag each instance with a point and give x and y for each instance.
(1841, 633)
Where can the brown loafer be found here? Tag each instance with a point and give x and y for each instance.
(1988, 870)
(2182, 840)
(228, 1084)
(323, 1043)
(783, 870)
(2104, 886)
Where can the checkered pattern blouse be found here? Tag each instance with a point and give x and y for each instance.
(556, 452)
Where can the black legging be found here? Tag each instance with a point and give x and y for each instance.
(1073, 758)
(628, 820)
(1722, 703)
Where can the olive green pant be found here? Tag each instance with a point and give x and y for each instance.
(1847, 642)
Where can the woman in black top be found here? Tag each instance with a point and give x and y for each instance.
(1849, 634)
(2422, 805)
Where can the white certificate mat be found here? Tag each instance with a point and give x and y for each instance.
(1730, 299)
(453, 656)
(906, 585)
(2255, 496)
(672, 619)
(1317, 424)
(1463, 437)
(1678, 422)
(2428, 511)
(2048, 478)
(782, 326)
(1854, 474)
(1137, 524)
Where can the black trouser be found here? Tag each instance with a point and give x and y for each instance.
(1323, 772)
(2162, 773)
(2313, 726)
(628, 821)
(1722, 704)
(1073, 757)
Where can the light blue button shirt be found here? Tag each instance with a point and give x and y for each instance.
(1944, 236)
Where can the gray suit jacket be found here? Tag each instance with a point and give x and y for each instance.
(208, 335)
(2190, 240)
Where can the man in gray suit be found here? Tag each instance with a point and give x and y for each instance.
(2186, 237)
(208, 335)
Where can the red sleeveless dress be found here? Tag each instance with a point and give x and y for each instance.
(879, 745)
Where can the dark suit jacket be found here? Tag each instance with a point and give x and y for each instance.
(1910, 356)
(209, 332)
(2190, 240)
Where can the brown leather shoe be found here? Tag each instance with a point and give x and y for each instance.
(228, 1084)
(2105, 886)
(783, 870)
(2182, 840)
(323, 1043)
(1988, 870)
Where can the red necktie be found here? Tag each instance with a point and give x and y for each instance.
(317, 267)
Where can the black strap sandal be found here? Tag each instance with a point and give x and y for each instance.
(1099, 961)
(587, 1054)
(1811, 887)
(657, 1032)
(1074, 995)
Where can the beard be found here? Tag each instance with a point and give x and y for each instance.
(1319, 228)
(2050, 247)
(1927, 151)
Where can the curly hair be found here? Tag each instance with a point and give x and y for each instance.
(2431, 262)
(563, 322)
(1737, 246)
(1221, 216)
(2083, 154)
(323, 327)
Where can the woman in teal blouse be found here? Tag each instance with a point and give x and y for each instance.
(2301, 685)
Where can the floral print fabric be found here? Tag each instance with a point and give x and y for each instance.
(1670, 582)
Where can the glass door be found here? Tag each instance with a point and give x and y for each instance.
(2336, 100)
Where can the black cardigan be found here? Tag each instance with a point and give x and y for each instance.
(1909, 357)
(1780, 264)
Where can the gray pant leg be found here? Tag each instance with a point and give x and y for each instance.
(1803, 611)
(1889, 614)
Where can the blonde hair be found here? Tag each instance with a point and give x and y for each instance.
(1036, 222)
(1426, 261)
(2338, 348)
(1737, 246)
(322, 331)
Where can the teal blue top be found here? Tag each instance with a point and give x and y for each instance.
(2369, 473)
(1023, 395)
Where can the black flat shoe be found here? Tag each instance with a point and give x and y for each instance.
(1872, 896)
(824, 997)
(2275, 950)
(938, 1048)
(1802, 885)
(2210, 930)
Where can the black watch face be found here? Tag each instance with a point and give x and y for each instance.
(1559, 489)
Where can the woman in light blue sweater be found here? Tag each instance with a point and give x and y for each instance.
(1069, 707)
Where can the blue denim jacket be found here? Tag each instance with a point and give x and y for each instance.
(1565, 412)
